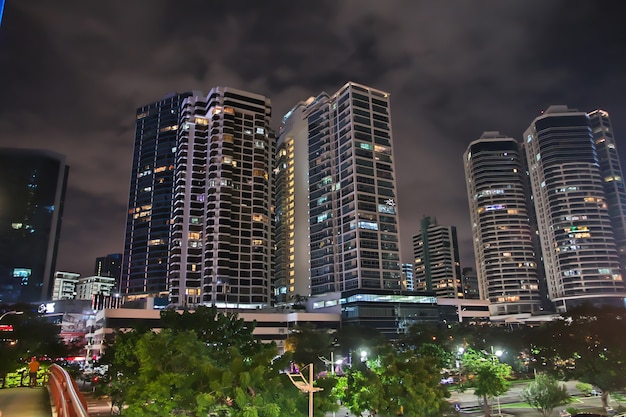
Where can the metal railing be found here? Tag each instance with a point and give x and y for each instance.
(66, 399)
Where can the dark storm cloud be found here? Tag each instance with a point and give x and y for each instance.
(73, 73)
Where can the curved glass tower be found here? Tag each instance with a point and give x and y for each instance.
(577, 240)
(503, 237)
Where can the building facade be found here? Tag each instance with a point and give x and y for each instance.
(437, 266)
(612, 178)
(506, 257)
(221, 245)
(32, 195)
(577, 239)
(109, 266)
(64, 286)
(88, 287)
(408, 281)
(292, 280)
(353, 217)
(146, 244)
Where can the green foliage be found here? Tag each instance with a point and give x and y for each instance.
(308, 344)
(489, 375)
(207, 367)
(32, 335)
(222, 330)
(544, 394)
(392, 382)
(584, 388)
(585, 344)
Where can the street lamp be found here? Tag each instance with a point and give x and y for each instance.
(10, 313)
(496, 357)
(305, 386)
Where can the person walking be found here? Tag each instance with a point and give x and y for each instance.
(33, 368)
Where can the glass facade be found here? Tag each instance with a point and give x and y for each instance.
(612, 178)
(353, 221)
(32, 194)
(144, 264)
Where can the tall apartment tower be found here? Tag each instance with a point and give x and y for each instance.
(497, 193)
(340, 145)
(292, 259)
(437, 266)
(221, 246)
(577, 240)
(612, 178)
(32, 194)
(109, 266)
(144, 264)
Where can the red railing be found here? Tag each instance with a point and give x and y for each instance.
(67, 400)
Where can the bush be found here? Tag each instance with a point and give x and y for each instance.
(584, 388)
(572, 410)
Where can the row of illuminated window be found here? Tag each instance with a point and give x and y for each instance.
(612, 178)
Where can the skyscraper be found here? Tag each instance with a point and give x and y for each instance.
(221, 246)
(109, 266)
(144, 268)
(407, 277)
(292, 258)
(335, 163)
(32, 194)
(500, 214)
(577, 240)
(612, 178)
(437, 266)
(352, 213)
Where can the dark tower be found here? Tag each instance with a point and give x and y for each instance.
(32, 192)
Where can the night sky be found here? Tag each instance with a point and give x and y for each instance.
(72, 74)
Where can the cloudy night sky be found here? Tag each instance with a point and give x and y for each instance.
(73, 72)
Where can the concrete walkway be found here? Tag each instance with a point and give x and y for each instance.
(25, 402)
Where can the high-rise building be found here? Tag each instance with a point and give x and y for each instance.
(506, 256)
(221, 245)
(407, 277)
(469, 282)
(144, 267)
(109, 266)
(32, 193)
(577, 240)
(437, 266)
(292, 258)
(612, 178)
(352, 212)
(335, 163)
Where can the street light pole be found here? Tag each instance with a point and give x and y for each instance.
(305, 386)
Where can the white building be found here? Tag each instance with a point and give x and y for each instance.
(221, 245)
(87, 287)
(577, 240)
(501, 229)
(64, 285)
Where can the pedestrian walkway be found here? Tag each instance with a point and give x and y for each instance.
(25, 402)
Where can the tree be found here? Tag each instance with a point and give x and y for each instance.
(585, 344)
(393, 383)
(308, 345)
(544, 394)
(488, 375)
(222, 330)
(32, 335)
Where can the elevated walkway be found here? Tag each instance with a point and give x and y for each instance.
(25, 402)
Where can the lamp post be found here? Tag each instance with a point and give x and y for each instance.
(496, 357)
(305, 386)
(12, 312)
